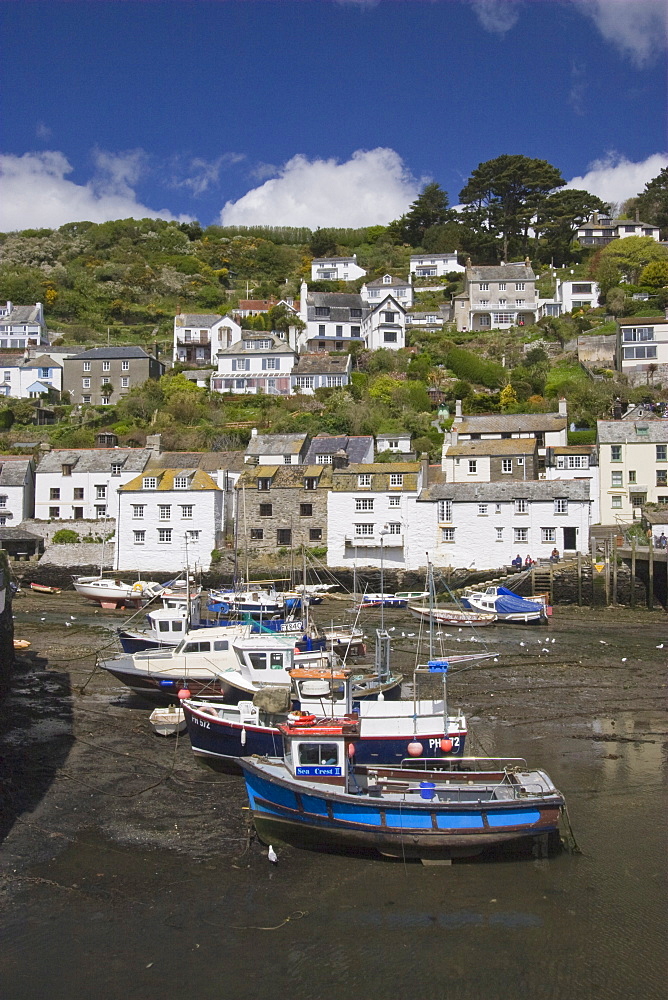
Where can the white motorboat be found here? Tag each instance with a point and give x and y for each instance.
(111, 593)
(506, 605)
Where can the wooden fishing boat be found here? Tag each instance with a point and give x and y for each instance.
(318, 796)
(167, 721)
(451, 616)
(42, 588)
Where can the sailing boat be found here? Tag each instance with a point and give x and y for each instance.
(472, 618)
(112, 594)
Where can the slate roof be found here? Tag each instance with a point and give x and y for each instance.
(336, 300)
(278, 345)
(510, 446)
(13, 470)
(326, 260)
(286, 476)
(381, 283)
(197, 319)
(544, 489)
(275, 444)
(197, 374)
(504, 272)
(208, 461)
(95, 459)
(109, 354)
(345, 480)
(22, 314)
(324, 444)
(18, 535)
(509, 423)
(656, 515)
(625, 432)
(200, 481)
(322, 364)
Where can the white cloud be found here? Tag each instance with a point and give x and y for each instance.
(42, 131)
(372, 187)
(35, 191)
(496, 16)
(198, 174)
(638, 28)
(614, 178)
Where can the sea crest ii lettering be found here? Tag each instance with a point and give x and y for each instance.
(318, 771)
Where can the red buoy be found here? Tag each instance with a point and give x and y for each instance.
(182, 693)
(446, 746)
(415, 749)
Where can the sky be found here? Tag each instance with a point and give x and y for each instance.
(316, 112)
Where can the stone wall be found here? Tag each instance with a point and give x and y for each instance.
(6, 627)
(79, 554)
(640, 376)
(286, 504)
(95, 528)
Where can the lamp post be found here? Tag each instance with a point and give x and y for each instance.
(383, 531)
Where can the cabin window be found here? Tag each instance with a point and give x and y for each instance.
(197, 647)
(318, 753)
(276, 661)
(177, 626)
(163, 626)
(220, 644)
(258, 661)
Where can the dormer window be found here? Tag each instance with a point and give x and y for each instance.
(387, 279)
(116, 468)
(264, 483)
(150, 483)
(181, 482)
(66, 470)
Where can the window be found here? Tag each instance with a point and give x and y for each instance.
(661, 450)
(85, 399)
(364, 479)
(315, 535)
(389, 317)
(616, 502)
(257, 534)
(662, 499)
(390, 337)
(484, 320)
(306, 510)
(323, 459)
(447, 534)
(165, 536)
(138, 509)
(322, 310)
(140, 539)
(304, 381)
(355, 313)
(548, 535)
(317, 754)
(482, 509)
(180, 482)
(615, 452)
(339, 331)
(266, 509)
(187, 511)
(519, 302)
(473, 466)
(334, 380)
(638, 333)
(54, 512)
(364, 529)
(519, 287)
(521, 534)
(271, 363)
(662, 477)
(310, 483)
(78, 493)
(192, 535)
(105, 400)
(632, 476)
(497, 508)
(355, 331)
(283, 536)
(100, 492)
(394, 501)
(264, 483)
(125, 382)
(396, 479)
(125, 366)
(506, 465)
(577, 462)
(639, 353)
(3, 501)
(503, 317)
(502, 286)
(561, 506)
(86, 366)
(445, 510)
(164, 511)
(105, 380)
(241, 364)
(85, 383)
(484, 286)
(116, 468)
(499, 534)
(321, 330)
(106, 366)
(394, 528)
(522, 507)
(616, 479)
(364, 503)
(54, 494)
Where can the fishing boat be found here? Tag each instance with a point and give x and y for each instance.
(167, 721)
(111, 594)
(260, 599)
(382, 601)
(43, 588)
(506, 605)
(452, 616)
(344, 639)
(317, 795)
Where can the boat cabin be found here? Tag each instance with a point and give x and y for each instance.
(315, 688)
(317, 749)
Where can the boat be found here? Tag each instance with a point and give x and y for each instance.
(317, 795)
(344, 639)
(167, 721)
(42, 588)
(21, 644)
(260, 599)
(506, 605)
(452, 616)
(112, 594)
(382, 601)
(411, 595)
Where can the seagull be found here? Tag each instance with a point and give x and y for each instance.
(496, 659)
(545, 650)
(660, 646)
(272, 855)
(411, 634)
(554, 640)
(73, 618)
(523, 644)
(42, 619)
(603, 642)
(68, 624)
(624, 659)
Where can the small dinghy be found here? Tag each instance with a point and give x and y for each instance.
(21, 644)
(42, 588)
(168, 721)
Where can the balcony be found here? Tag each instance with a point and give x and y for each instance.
(373, 541)
(202, 338)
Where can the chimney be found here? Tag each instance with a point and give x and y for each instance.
(527, 261)
(254, 432)
(563, 407)
(454, 436)
(424, 462)
(594, 218)
(153, 442)
(458, 412)
(340, 459)
(157, 350)
(637, 215)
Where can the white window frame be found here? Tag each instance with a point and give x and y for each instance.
(149, 483)
(548, 536)
(364, 479)
(483, 509)
(106, 366)
(396, 479)
(394, 501)
(125, 366)
(364, 530)
(187, 511)
(162, 507)
(181, 482)
(521, 536)
(561, 505)
(164, 536)
(140, 537)
(364, 503)
(522, 506)
(138, 510)
(506, 465)
(444, 511)
(448, 535)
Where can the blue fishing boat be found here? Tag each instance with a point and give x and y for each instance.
(317, 795)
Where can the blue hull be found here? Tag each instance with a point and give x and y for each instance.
(222, 743)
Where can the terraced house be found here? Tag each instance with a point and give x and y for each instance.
(283, 506)
(103, 375)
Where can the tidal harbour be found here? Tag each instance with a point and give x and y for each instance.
(129, 870)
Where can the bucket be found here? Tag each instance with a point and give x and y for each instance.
(427, 789)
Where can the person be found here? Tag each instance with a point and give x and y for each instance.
(663, 541)
(528, 562)
(517, 561)
(554, 557)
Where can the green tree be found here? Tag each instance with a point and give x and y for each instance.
(559, 217)
(652, 203)
(429, 209)
(632, 254)
(323, 243)
(655, 275)
(504, 195)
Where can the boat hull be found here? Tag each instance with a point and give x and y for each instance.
(461, 619)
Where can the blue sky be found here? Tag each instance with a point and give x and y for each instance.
(316, 112)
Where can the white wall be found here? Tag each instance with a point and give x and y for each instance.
(88, 481)
(208, 513)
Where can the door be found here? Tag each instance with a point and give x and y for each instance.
(570, 539)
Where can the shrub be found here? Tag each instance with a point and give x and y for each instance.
(469, 367)
(65, 536)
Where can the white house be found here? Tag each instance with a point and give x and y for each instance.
(570, 295)
(320, 371)
(257, 362)
(384, 325)
(22, 327)
(642, 348)
(30, 378)
(600, 230)
(549, 429)
(339, 450)
(276, 449)
(398, 442)
(576, 461)
(373, 292)
(485, 526)
(17, 489)
(434, 265)
(336, 269)
(81, 484)
(633, 467)
(371, 516)
(432, 319)
(332, 320)
(198, 337)
(497, 297)
(167, 517)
